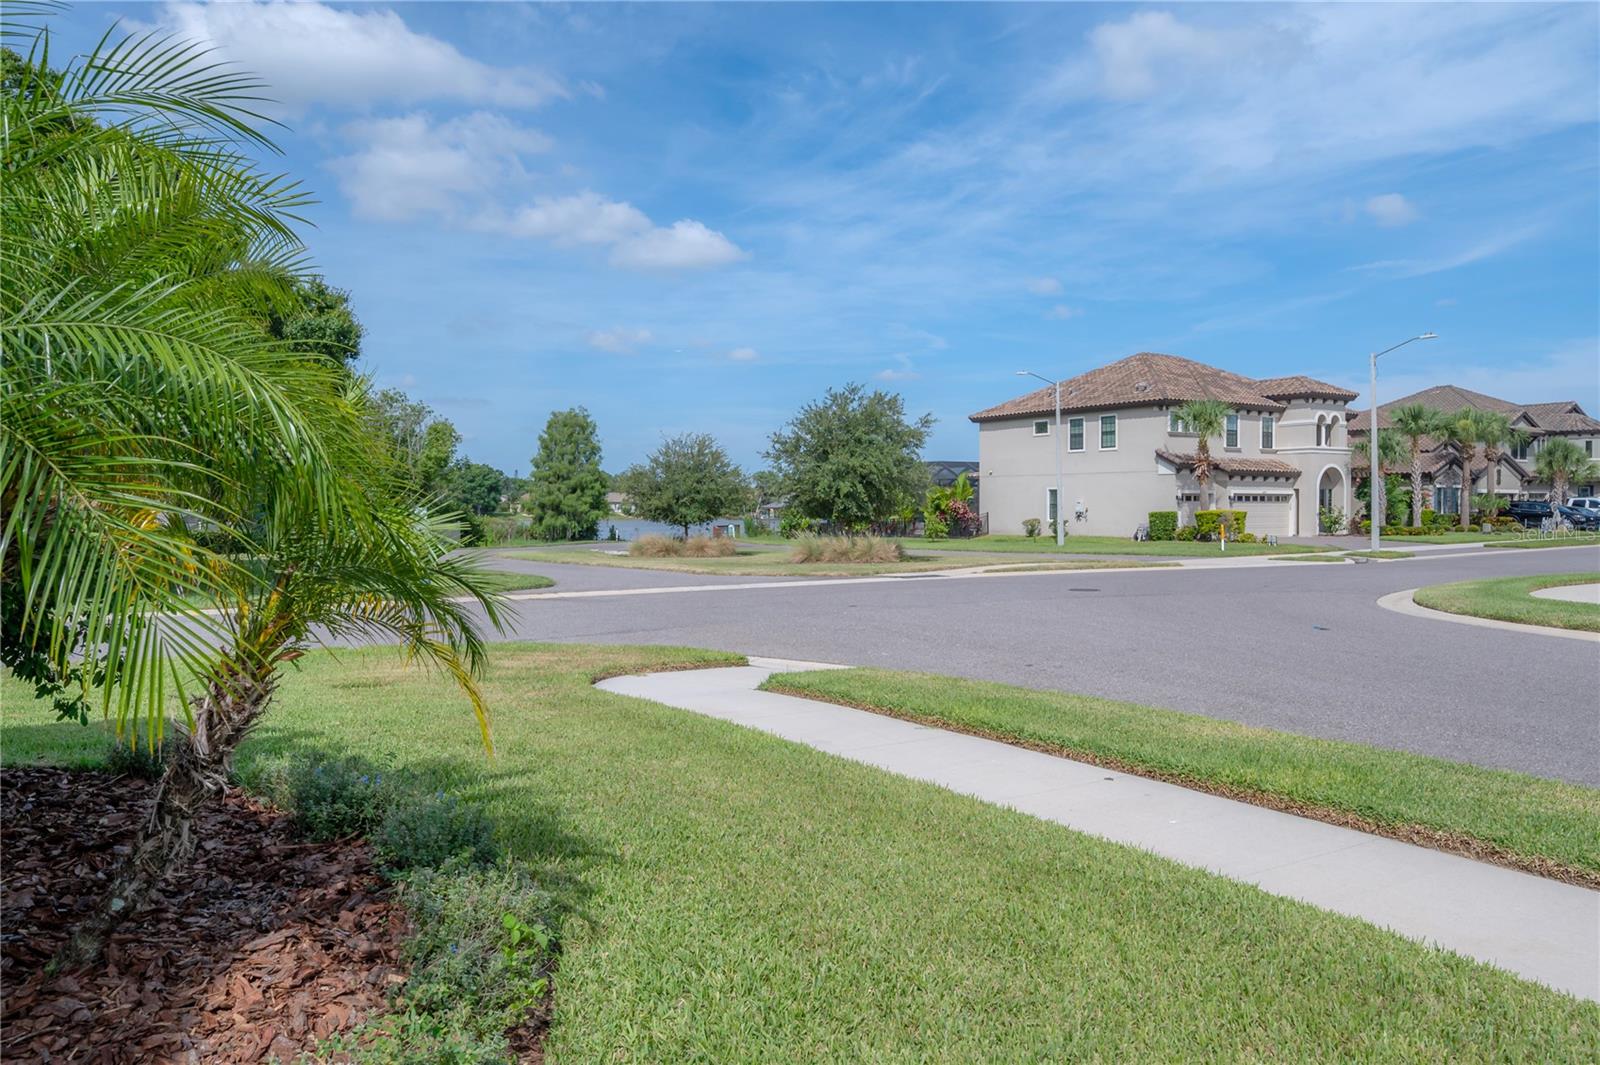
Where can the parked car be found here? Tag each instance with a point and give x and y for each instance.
(1589, 503)
(1580, 517)
(1529, 513)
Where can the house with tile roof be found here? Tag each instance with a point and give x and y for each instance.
(1513, 475)
(1283, 455)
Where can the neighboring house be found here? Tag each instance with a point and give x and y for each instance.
(1513, 475)
(1283, 455)
(617, 502)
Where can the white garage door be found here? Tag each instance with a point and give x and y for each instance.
(1265, 512)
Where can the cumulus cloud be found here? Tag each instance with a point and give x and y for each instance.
(903, 372)
(1044, 286)
(744, 354)
(412, 165)
(351, 58)
(636, 243)
(619, 341)
(1061, 312)
(1390, 209)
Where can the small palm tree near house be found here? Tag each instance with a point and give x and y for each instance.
(1391, 453)
(1496, 433)
(1459, 433)
(1563, 464)
(1414, 423)
(1205, 419)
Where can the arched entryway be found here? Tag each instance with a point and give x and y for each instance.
(1332, 491)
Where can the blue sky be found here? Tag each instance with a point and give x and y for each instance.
(697, 217)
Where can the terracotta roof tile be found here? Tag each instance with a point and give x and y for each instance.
(1301, 385)
(1563, 417)
(1145, 379)
(1230, 464)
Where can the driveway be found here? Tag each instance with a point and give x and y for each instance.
(1295, 646)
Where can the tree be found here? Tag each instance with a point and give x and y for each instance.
(1391, 452)
(1205, 419)
(767, 486)
(320, 322)
(567, 488)
(439, 442)
(1494, 431)
(1563, 464)
(852, 458)
(687, 481)
(473, 487)
(420, 442)
(1414, 423)
(1459, 433)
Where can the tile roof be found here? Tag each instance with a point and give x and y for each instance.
(1230, 464)
(1563, 417)
(1145, 379)
(1301, 385)
(1436, 458)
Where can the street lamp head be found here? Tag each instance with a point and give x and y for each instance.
(1429, 336)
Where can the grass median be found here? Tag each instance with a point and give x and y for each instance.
(1108, 545)
(734, 897)
(769, 563)
(1545, 826)
(1512, 599)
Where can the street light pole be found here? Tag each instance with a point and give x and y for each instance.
(1378, 508)
(1061, 509)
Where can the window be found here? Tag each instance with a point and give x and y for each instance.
(1447, 500)
(1051, 504)
(1588, 448)
(1074, 434)
(1268, 431)
(1175, 423)
(1230, 434)
(1108, 432)
(1041, 428)
(1521, 449)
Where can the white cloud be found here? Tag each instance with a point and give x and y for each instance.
(411, 165)
(684, 245)
(1391, 209)
(1061, 312)
(636, 243)
(351, 59)
(1044, 286)
(1130, 53)
(619, 341)
(744, 354)
(1478, 251)
(903, 372)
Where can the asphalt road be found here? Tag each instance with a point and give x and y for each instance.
(1298, 646)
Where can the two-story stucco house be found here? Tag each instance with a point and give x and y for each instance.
(1283, 455)
(1514, 474)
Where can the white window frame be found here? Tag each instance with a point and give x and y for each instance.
(1049, 494)
(1082, 433)
(1100, 422)
(1044, 422)
(1269, 429)
(1175, 423)
(1230, 424)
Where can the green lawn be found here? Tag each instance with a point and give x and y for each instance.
(517, 582)
(1530, 819)
(737, 898)
(1574, 540)
(1506, 539)
(1510, 599)
(759, 563)
(1381, 553)
(1105, 545)
(1305, 558)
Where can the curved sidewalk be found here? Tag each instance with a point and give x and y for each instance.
(1540, 929)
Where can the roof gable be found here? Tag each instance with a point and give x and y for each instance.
(1143, 380)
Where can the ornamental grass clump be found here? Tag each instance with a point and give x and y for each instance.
(693, 547)
(845, 549)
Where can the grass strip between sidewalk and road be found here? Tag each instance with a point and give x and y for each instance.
(778, 563)
(1512, 599)
(1107, 545)
(734, 897)
(1548, 827)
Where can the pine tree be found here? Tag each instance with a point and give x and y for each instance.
(567, 488)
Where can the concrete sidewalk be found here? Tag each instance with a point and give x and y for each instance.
(1537, 928)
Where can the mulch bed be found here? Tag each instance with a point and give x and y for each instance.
(260, 948)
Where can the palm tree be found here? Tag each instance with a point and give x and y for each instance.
(1563, 463)
(1391, 452)
(1204, 418)
(1459, 433)
(1496, 433)
(1413, 422)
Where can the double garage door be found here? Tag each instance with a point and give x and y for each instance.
(1265, 512)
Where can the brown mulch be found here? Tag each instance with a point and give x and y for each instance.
(260, 948)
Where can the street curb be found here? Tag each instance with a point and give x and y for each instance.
(1404, 603)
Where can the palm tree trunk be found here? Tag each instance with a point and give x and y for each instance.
(1416, 483)
(196, 774)
(1466, 491)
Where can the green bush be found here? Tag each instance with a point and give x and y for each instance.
(793, 524)
(144, 761)
(1163, 524)
(1187, 532)
(935, 528)
(328, 800)
(1030, 527)
(1209, 523)
(1247, 538)
(480, 961)
(431, 831)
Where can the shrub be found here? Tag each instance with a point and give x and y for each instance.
(472, 531)
(430, 831)
(144, 761)
(793, 524)
(1163, 524)
(845, 549)
(1331, 521)
(1210, 523)
(934, 528)
(480, 962)
(328, 800)
(1030, 527)
(694, 547)
(1247, 538)
(1187, 532)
